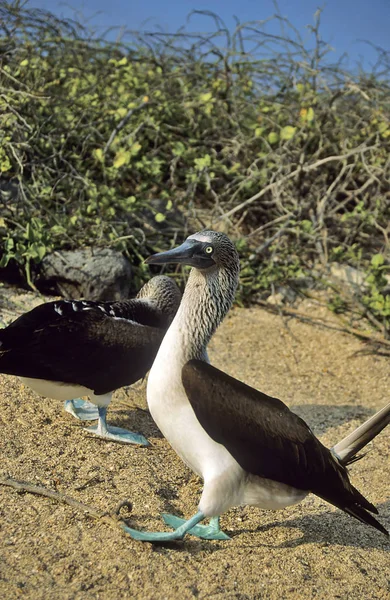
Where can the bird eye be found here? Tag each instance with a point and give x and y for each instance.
(209, 249)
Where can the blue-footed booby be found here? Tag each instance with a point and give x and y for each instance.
(249, 448)
(64, 349)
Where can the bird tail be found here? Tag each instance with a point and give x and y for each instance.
(364, 516)
(347, 449)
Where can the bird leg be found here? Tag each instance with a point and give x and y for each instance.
(163, 536)
(212, 531)
(116, 434)
(82, 409)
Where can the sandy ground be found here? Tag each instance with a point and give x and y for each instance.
(54, 551)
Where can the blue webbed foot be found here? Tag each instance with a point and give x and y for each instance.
(211, 531)
(82, 409)
(116, 434)
(163, 536)
(153, 536)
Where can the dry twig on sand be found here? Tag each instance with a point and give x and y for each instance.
(113, 518)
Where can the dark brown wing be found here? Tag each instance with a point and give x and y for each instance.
(267, 439)
(261, 432)
(79, 343)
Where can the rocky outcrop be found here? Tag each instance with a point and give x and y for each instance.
(92, 273)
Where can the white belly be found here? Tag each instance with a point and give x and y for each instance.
(176, 419)
(62, 391)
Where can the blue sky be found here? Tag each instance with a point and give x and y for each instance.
(344, 22)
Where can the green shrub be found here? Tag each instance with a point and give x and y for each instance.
(257, 135)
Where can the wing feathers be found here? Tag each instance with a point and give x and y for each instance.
(81, 344)
(262, 434)
(269, 440)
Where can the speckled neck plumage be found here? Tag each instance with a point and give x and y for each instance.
(207, 299)
(163, 294)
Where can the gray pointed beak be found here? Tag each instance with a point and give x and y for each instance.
(190, 253)
(180, 255)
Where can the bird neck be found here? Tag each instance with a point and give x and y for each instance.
(161, 294)
(207, 299)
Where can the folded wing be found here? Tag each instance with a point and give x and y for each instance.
(81, 343)
(268, 440)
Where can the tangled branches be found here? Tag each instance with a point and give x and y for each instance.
(132, 143)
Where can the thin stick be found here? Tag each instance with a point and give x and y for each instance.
(304, 168)
(22, 486)
(113, 518)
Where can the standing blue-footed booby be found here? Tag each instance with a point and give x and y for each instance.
(65, 348)
(249, 448)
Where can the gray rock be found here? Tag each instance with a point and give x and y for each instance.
(353, 276)
(276, 299)
(348, 275)
(93, 274)
(303, 283)
(282, 294)
(9, 191)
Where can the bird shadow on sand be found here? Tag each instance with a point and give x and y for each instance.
(322, 417)
(135, 419)
(324, 529)
(330, 528)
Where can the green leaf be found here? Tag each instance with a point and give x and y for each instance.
(159, 218)
(178, 149)
(202, 163)
(58, 230)
(39, 251)
(29, 233)
(135, 148)
(122, 157)
(9, 244)
(5, 164)
(310, 115)
(98, 153)
(273, 137)
(5, 260)
(287, 132)
(307, 225)
(205, 97)
(377, 260)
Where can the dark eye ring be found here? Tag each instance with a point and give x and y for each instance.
(209, 249)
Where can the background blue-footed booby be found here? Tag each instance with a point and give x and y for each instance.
(65, 348)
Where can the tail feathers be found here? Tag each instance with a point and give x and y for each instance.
(355, 441)
(353, 459)
(363, 516)
(363, 502)
(356, 505)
